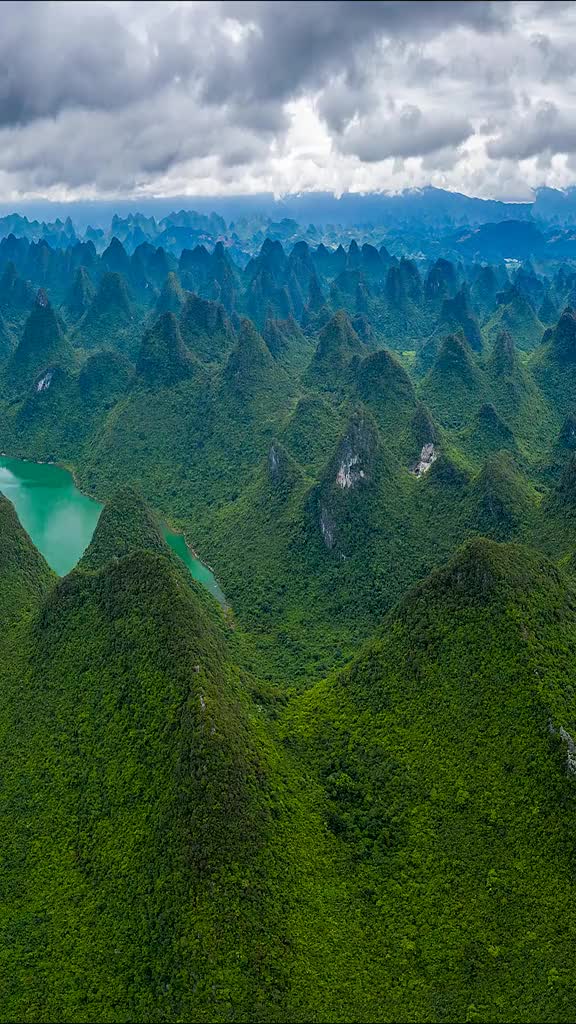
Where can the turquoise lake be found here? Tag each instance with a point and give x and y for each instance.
(61, 520)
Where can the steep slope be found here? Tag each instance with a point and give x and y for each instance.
(457, 315)
(206, 329)
(125, 525)
(287, 343)
(172, 297)
(312, 430)
(251, 375)
(24, 575)
(446, 753)
(110, 321)
(6, 340)
(554, 364)
(42, 349)
(488, 433)
(515, 315)
(502, 503)
(338, 344)
(518, 398)
(455, 388)
(163, 359)
(80, 295)
(386, 389)
(160, 860)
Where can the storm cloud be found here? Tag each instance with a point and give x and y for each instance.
(170, 98)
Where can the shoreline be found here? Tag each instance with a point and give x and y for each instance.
(71, 470)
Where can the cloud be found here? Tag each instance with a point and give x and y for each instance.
(155, 97)
(544, 130)
(408, 133)
(290, 46)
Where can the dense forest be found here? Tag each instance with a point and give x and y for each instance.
(350, 794)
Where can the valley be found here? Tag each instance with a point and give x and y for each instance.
(345, 791)
(60, 520)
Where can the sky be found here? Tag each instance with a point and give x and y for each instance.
(126, 99)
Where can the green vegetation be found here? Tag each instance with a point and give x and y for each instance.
(349, 796)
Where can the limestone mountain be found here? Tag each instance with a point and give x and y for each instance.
(458, 669)
(457, 315)
(206, 329)
(42, 348)
(515, 314)
(338, 344)
(171, 298)
(163, 359)
(455, 386)
(24, 575)
(6, 340)
(503, 505)
(109, 321)
(80, 295)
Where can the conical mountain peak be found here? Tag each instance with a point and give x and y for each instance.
(455, 356)
(251, 353)
(338, 344)
(482, 571)
(43, 344)
(504, 359)
(112, 296)
(163, 358)
(502, 501)
(81, 293)
(171, 298)
(564, 337)
(205, 328)
(126, 525)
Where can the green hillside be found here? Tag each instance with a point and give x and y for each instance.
(445, 753)
(348, 795)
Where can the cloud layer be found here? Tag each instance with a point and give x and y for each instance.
(244, 96)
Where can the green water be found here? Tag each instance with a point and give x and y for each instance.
(61, 520)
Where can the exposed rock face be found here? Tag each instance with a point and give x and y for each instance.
(45, 381)
(570, 751)
(355, 454)
(283, 471)
(340, 498)
(349, 472)
(570, 746)
(274, 462)
(428, 456)
(327, 527)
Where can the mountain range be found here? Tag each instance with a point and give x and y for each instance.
(349, 795)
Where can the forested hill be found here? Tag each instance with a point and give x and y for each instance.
(326, 425)
(350, 795)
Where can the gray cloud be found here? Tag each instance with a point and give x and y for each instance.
(408, 133)
(54, 56)
(545, 130)
(156, 97)
(295, 45)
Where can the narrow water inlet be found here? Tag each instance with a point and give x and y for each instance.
(61, 520)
